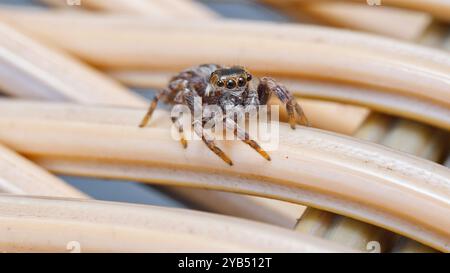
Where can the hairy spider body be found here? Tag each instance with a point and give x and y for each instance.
(228, 88)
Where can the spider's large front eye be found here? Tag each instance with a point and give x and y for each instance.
(220, 83)
(231, 84)
(241, 82)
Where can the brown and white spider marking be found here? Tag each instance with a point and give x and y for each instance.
(212, 84)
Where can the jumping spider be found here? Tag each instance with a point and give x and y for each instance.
(225, 87)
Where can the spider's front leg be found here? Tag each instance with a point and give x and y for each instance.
(268, 86)
(209, 140)
(244, 137)
(193, 101)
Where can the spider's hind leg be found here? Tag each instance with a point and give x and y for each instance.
(179, 126)
(268, 86)
(302, 120)
(152, 108)
(169, 94)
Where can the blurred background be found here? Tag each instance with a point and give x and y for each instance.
(356, 16)
(412, 25)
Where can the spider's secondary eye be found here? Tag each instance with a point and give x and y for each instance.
(249, 77)
(241, 82)
(231, 84)
(220, 83)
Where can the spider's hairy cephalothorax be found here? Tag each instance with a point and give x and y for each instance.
(226, 87)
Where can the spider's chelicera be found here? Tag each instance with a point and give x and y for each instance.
(228, 88)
